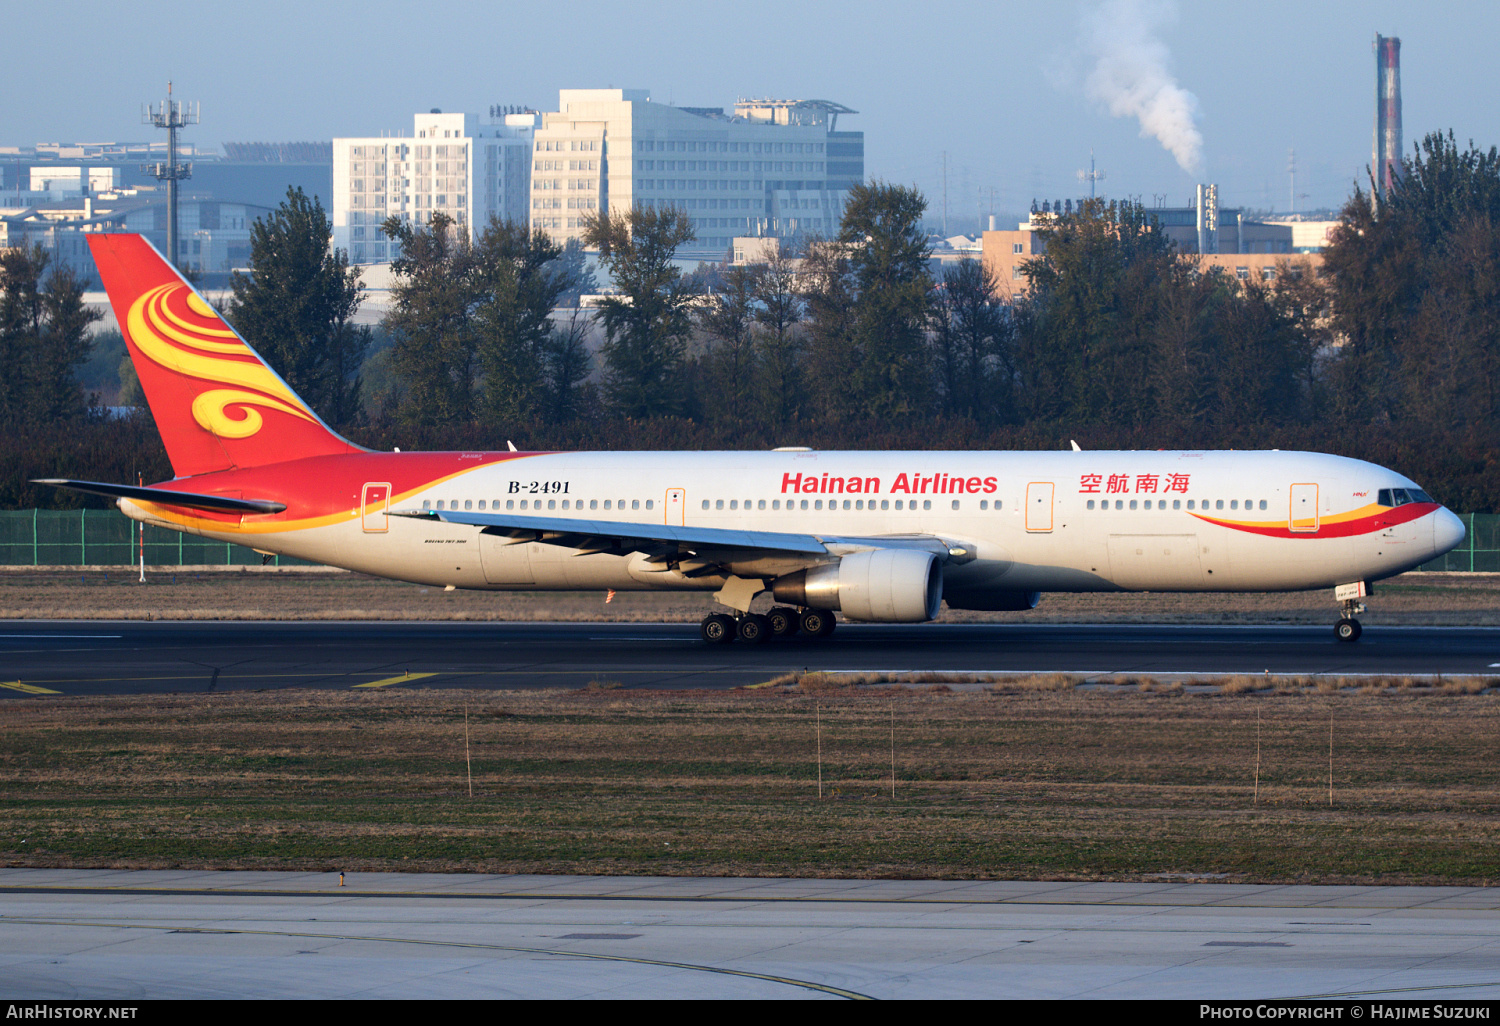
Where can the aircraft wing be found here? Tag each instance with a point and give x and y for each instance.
(658, 539)
(615, 536)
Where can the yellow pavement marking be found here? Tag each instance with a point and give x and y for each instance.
(30, 689)
(395, 680)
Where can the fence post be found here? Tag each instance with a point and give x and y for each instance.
(179, 548)
(83, 536)
(1471, 541)
(34, 561)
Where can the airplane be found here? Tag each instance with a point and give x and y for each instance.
(882, 537)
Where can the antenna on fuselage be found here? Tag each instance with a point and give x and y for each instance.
(1076, 447)
(511, 445)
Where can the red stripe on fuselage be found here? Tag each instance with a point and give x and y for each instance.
(1338, 529)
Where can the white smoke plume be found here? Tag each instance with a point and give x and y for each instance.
(1130, 75)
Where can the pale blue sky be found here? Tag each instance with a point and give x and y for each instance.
(999, 86)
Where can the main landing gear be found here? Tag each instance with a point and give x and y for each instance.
(756, 628)
(1348, 597)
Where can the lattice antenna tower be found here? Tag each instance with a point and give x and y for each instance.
(170, 114)
(1093, 175)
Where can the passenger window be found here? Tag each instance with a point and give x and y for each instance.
(606, 504)
(510, 503)
(747, 503)
(468, 504)
(997, 503)
(1190, 504)
(426, 503)
(847, 504)
(1218, 504)
(1132, 504)
(955, 504)
(734, 503)
(481, 504)
(859, 503)
(705, 504)
(648, 503)
(1119, 504)
(635, 503)
(818, 504)
(440, 504)
(1234, 503)
(926, 503)
(885, 504)
(1089, 505)
(761, 504)
(776, 504)
(593, 504)
(898, 503)
(621, 504)
(523, 503)
(1262, 503)
(804, 503)
(1176, 503)
(719, 504)
(551, 503)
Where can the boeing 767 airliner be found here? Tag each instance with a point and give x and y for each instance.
(877, 536)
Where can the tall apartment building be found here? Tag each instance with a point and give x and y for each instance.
(452, 164)
(772, 168)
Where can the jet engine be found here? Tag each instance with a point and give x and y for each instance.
(883, 586)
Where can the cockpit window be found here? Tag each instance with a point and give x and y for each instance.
(1401, 496)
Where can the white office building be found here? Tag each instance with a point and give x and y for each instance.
(771, 168)
(451, 164)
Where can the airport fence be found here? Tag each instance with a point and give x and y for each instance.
(106, 537)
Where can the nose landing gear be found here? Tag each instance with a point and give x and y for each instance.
(1348, 597)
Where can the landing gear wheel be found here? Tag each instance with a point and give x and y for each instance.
(783, 620)
(717, 629)
(817, 622)
(754, 629)
(1347, 629)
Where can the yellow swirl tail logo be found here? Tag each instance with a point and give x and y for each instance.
(166, 324)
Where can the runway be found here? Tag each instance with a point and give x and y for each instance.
(112, 657)
(115, 935)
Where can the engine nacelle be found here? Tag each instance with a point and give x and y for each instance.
(882, 586)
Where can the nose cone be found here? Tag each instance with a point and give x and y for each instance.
(1447, 532)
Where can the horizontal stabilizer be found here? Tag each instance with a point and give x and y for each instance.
(167, 497)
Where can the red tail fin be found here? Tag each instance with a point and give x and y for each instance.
(216, 403)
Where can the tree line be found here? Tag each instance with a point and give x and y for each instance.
(852, 341)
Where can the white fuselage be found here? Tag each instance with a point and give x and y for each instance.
(1026, 521)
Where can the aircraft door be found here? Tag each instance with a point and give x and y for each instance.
(1303, 514)
(1039, 506)
(375, 504)
(676, 507)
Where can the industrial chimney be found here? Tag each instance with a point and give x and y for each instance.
(1385, 164)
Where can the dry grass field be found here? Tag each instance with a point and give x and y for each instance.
(1021, 779)
(1414, 599)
